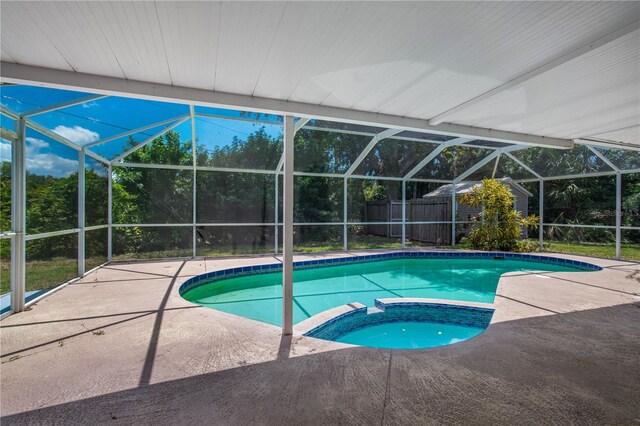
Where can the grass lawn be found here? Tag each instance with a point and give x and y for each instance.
(629, 251)
(44, 274)
(50, 273)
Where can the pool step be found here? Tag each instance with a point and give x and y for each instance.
(374, 310)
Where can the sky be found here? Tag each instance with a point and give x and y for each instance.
(107, 117)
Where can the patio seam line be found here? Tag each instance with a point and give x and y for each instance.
(528, 304)
(387, 391)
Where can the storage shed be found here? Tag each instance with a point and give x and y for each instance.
(465, 213)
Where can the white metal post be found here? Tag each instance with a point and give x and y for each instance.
(541, 208)
(276, 213)
(194, 192)
(81, 211)
(404, 214)
(344, 214)
(18, 217)
(618, 215)
(109, 214)
(453, 214)
(287, 210)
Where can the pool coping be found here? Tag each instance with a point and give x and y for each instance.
(209, 277)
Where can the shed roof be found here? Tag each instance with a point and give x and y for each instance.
(464, 187)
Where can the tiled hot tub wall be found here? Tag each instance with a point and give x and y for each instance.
(403, 311)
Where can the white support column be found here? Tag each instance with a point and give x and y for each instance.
(276, 213)
(81, 211)
(194, 158)
(287, 249)
(298, 126)
(453, 214)
(18, 217)
(404, 214)
(618, 215)
(109, 214)
(541, 208)
(344, 214)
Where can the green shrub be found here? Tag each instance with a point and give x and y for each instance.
(499, 226)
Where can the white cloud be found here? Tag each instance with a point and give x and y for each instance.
(41, 163)
(89, 105)
(51, 164)
(5, 151)
(77, 134)
(35, 145)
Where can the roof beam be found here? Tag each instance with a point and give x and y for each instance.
(53, 135)
(484, 161)
(605, 143)
(134, 131)
(148, 141)
(8, 134)
(98, 157)
(433, 154)
(521, 163)
(244, 119)
(61, 105)
(603, 158)
(495, 167)
(377, 138)
(608, 38)
(68, 80)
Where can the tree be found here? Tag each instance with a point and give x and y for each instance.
(499, 225)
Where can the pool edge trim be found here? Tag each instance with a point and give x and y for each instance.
(206, 278)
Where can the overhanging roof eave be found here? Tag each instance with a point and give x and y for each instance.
(26, 74)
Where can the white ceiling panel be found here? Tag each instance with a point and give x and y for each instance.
(247, 31)
(26, 42)
(588, 95)
(406, 59)
(133, 32)
(628, 135)
(190, 33)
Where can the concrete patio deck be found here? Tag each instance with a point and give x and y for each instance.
(122, 347)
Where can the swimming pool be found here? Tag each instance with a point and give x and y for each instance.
(256, 292)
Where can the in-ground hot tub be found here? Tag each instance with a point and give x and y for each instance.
(405, 325)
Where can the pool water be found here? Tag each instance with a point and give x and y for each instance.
(409, 335)
(259, 296)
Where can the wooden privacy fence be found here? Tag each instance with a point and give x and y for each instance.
(431, 209)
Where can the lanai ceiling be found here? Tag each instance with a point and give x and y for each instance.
(559, 69)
